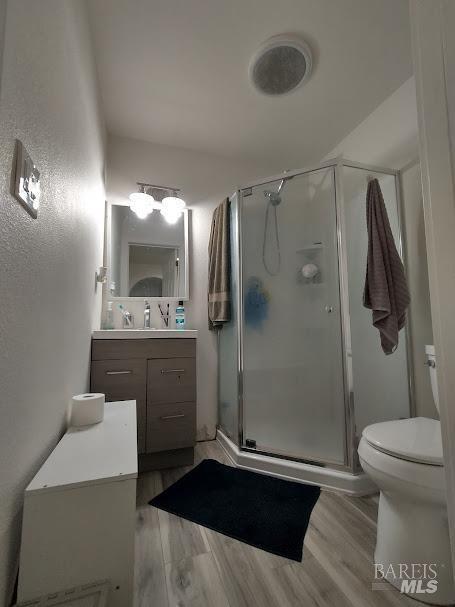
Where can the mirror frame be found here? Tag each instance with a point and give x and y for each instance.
(107, 256)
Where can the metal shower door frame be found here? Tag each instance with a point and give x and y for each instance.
(351, 463)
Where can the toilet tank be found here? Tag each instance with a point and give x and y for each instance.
(431, 361)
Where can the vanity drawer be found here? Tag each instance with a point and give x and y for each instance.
(121, 349)
(171, 380)
(171, 427)
(119, 379)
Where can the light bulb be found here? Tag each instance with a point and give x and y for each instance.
(172, 203)
(172, 208)
(170, 215)
(142, 204)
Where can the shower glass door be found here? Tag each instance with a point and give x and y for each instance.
(292, 381)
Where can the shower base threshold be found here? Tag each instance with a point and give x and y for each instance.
(325, 477)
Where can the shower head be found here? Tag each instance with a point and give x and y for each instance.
(274, 197)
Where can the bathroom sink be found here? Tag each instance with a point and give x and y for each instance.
(144, 333)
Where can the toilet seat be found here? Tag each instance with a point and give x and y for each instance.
(412, 478)
(414, 440)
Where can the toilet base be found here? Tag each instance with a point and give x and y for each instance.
(415, 536)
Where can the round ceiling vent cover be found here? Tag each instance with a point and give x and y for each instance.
(280, 65)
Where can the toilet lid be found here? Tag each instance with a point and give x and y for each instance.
(416, 440)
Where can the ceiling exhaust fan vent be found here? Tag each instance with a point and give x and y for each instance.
(280, 65)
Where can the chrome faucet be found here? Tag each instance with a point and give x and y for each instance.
(147, 324)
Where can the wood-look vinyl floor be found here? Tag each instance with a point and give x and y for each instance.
(181, 564)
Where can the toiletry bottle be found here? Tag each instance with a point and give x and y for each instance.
(109, 322)
(180, 316)
(128, 318)
(147, 324)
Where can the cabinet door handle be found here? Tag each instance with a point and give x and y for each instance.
(167, 417)
(164, 371)
(119, 372)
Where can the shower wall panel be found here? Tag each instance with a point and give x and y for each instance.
(380, 382)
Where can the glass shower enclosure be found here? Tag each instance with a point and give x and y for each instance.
(301, 370)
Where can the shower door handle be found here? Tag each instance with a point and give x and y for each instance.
(329, 309)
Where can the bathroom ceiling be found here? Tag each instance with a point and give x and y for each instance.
(175, 72)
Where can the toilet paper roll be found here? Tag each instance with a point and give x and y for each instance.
(87, 409)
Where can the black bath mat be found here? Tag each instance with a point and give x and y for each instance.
(263, 511)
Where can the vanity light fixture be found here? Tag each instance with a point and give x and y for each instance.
(152, 197)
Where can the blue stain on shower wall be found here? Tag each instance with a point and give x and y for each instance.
(256, 303)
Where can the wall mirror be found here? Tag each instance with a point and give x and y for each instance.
(146, 258)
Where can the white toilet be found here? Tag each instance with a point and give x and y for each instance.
(404, 459)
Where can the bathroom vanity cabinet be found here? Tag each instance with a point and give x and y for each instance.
(159, 373)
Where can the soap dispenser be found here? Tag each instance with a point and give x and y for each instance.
(109, 320)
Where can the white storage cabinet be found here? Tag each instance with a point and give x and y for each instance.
(79, 511)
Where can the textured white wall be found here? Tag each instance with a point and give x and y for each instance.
(2, 34)
(389, 135)
(417, 270)
(205, 180)
(48, 303)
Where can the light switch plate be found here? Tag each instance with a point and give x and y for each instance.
(27, 181)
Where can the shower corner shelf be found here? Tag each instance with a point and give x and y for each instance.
(311, 247)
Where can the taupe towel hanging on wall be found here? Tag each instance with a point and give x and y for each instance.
(219, 287)
(386, 290)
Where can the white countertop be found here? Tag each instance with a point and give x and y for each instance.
(91, 455)
(145, 334)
